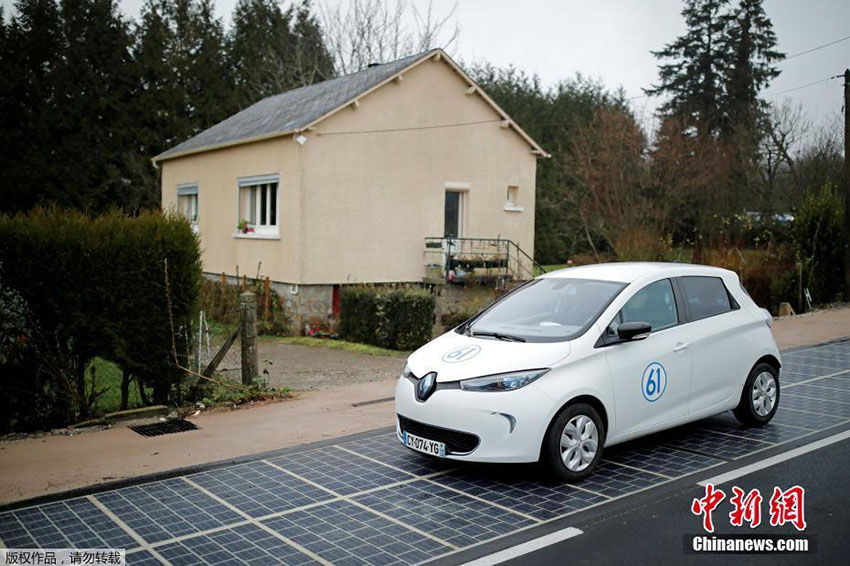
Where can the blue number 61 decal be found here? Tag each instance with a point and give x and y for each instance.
(654, 382)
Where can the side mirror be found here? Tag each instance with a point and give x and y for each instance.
(634, 330)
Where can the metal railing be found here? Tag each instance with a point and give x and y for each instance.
(481, 258)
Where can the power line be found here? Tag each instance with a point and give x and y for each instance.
(816, 48)
(454, 125)
(792, 56)
(821, 81)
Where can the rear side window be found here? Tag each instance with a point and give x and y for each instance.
(705, 296)
(654, 304)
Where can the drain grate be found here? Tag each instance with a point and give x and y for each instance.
(167, 427)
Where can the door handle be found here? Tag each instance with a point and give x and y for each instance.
(681, 346)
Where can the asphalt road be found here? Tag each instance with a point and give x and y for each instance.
(652, 531)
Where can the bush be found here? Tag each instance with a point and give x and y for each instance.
(818, 236)
(398, 318)
(455, 318)
(220, 302)
(95, 287)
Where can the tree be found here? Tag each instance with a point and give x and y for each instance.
(93, 114)
(273, 51)
(31, 43)
(612, 191)
(67, 102)
(693, 77)
(751, 45)
(553, 117)
(378, 31)
(311, 60)
(185, 82)
(260, 40)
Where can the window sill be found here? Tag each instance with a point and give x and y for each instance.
(256, 236)
(513, 208)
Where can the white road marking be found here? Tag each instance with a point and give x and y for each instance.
(817, 378)
(350, 499)
(526, 547)
(257, 523)
(773, 460)
(143, 544)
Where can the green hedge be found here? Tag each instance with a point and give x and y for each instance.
(398, 318)
(818, 235)
(92, 287)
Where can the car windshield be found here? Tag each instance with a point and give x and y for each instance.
(545, 310)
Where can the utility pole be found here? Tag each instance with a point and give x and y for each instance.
(847, 185)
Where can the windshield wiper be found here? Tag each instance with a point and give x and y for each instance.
(500, 336)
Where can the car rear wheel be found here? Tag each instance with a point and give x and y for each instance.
(573, 444)
(760, 397)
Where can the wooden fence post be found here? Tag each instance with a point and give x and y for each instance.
(268, 306)
(248, 336)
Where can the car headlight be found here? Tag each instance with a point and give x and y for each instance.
(503, 381)
(406, 371)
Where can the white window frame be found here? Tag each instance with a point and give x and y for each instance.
(267, 232)
(511, 199)
(187, 190)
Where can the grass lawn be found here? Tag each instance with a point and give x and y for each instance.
(337, 345)
(109, 378)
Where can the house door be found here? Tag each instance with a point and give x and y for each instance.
(452, 227)
(452, 215)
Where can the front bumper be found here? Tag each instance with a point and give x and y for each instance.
(509, 425)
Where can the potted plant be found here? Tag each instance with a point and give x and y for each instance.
(244, 226)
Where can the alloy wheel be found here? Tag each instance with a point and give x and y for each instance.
(764, 393)
(579, 443)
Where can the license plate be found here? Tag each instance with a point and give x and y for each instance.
(423, 445)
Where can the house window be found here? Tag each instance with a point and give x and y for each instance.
(512, 199)
(258, 206)
(187, 201)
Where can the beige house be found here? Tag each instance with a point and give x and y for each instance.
(360, 179)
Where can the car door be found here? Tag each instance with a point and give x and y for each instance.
(719, 351)
(651, 377)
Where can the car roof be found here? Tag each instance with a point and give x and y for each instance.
(628, 271)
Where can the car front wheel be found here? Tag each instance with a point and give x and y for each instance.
(573, 444)
(760, 397)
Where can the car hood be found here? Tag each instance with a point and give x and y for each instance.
(455, 356)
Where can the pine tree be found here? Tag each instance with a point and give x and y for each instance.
(751, 45)
(261, 41)
(185, 85)
(274, 50)
(312, 62)
(694, 76)
(93, 117)
(31, 46)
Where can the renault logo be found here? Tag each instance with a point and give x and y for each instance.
(426, 386)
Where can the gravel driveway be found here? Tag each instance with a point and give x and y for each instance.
(306, 368)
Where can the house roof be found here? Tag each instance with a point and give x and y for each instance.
(296, 110)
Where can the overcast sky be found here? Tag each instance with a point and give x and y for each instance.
(611, 39)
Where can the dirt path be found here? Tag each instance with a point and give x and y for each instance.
(37, 466)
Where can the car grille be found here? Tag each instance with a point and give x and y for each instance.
(456, 442)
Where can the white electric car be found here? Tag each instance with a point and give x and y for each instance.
(588, 357)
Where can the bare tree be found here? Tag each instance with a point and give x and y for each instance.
(377, 31)
(786, 127)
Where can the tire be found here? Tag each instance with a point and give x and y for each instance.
(587, 430)
(760, 396)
